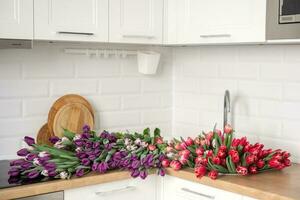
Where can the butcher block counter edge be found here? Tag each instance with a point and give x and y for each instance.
(279, 185)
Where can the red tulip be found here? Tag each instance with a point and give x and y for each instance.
(209, 153)
(213, 174)
(175, 165)
(219, 132)
(183, 159)
(273, 163)
(216, 160)
(253, 170)
(199, 151)
(200, 171)
(222, 148)
(183, 145)
(189, 141)
(260, 164)
(184, 152)
(209, 136)
(286, 154)
(221, 154)
(250, 159)
(235, 158)
(228, 129)
(159, 140)
(235, 142)
(201, 160)
(287, 162)
(242, 170)
(165, 163)
(178, 147)
(151, 147)
(277, 156)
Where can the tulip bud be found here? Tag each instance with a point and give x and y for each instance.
(200, 171)
(165, 163)
(189, 141)
(213, 174)
(175, 165)
(228, 129)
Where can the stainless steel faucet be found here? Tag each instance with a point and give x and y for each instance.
(226, 107)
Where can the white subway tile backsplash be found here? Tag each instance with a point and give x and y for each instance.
(156, 116)
(116, 119)
(97, 67)
(291, 91)
(217, 86)
(156, 85)
(23, 88)
(40, 71)
(186, 116)
(120, 86)
(37, 107)
(10, 70)
(10, 108)
(239, 70)
(78, 86)
(260, 89)
(282, 71)
(105, 103)
(141, 101)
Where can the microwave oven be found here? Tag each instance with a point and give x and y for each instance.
(283, 19)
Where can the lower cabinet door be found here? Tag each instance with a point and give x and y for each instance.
(130, 189)
(179, 189)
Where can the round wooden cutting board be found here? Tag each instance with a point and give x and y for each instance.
(70, 112)
(44, 135)
(72, 116)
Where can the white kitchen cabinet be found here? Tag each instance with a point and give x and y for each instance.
(179, 189)
(130, 189)
(217, 21)
(136, 21)
(78, 20)
(16, 19)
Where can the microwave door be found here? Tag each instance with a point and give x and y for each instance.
(283, 20)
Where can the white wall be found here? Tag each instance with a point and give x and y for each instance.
(264, 82)
(31, 80)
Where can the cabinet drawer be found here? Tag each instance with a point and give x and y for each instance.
(130, 189)
(179, 189)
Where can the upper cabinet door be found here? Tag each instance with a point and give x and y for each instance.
(16, 19)
(71, 20)
(136, 21)
(219, 21)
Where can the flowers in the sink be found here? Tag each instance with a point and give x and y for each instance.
(215, 153)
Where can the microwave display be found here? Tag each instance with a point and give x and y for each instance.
(289, 11)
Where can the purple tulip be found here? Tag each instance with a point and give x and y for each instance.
(143, 174)
(135, 164)
(33, 174)
(79, 172)
(13, 171)
(117, 156)
(85, 162)
(16, 162)
(13, 180)
(86, 128)
(81, 155)
(162, 172)
(52, 173)
(92, 157)
(26, 165)
(44, 159)
(85, 135)
(23, 152)
(96, 145)
(161, 157)
(104, 134)
(29, 140)
(95, 166)
(103, 167)
(50, 166)
(135, 173)
(54, 139)
(31, 156)
(78, 143)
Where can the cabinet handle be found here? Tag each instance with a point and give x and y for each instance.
(124, 189)
(198, 193)
(138, 36)
(216, 36)
(74, 33)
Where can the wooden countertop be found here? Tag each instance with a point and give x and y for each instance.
(279, 185)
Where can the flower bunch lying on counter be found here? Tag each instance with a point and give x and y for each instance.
(215, 153)
(211, 153)
(81, 153)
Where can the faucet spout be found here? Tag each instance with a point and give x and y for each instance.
(226, 108)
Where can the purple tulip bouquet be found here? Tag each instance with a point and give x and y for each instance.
(82, 153)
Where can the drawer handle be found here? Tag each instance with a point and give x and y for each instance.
(124, 189)
(74, 33)
(216, 36)
(197, 193)
(138, 36)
